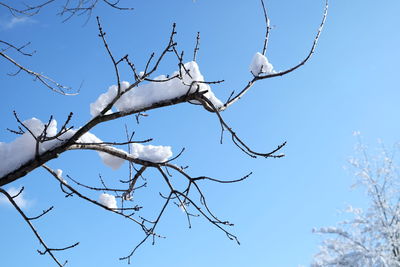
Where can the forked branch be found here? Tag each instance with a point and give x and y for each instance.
(280, 73)
(28, 220)
(45, 80)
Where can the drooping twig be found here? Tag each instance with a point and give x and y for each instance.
(236, 140)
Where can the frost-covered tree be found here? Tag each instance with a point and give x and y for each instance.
(372, 237)
(39, 142)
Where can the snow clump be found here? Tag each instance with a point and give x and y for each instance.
(108, 201)
(109, 160)
(261, 65)
(156, 154)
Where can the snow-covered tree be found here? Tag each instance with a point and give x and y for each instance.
(372, 237)
(39, 142)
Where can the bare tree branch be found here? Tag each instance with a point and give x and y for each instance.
(35, 232)
(70, 8)
(45, 80)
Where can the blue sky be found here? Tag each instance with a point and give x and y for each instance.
(349, 85)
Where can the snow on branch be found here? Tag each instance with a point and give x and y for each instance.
(38, 142)
(28, 146)
(262, 69)
(156, 154)
(260, 65)
(24, 147)
(108, 201)
(185, 81)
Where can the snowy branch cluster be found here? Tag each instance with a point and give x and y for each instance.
(40, 142)
(372, 237)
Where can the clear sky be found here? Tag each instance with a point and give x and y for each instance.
(350, 84)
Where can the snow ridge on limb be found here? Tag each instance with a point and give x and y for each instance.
(261, 65)
(25, 147)
(188, 80)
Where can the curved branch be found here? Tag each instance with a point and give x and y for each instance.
(281, 73)
(236, 140)
(304, 61)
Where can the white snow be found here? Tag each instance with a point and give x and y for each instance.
(108, 201)
(367, 238)
(23, 148)
(151, 153)
(106, 98)
(109, 160)
(261, 65)
(59, 173)
(147, 94)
